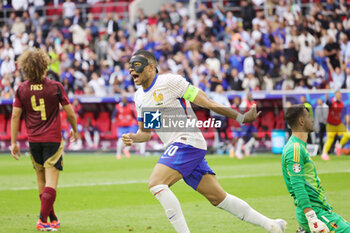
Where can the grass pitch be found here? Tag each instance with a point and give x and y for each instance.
(98, 193)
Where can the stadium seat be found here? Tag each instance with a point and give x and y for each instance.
(109, 7)
(267, 124)
(86, 116)
(51, 10)
(103, 123)
(23, 131)
(6, 134)
(209, 133)
(96, 10)
(280, 121)
(2, 123)
(112, 133)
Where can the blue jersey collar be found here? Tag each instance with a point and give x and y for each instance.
(152, 84)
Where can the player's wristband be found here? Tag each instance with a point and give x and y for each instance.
(240, 118)
(191, 93)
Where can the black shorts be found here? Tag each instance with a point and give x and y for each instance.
(46, 154)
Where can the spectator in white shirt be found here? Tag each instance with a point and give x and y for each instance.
(68, 9)
(338, 75)
(347, 77)
(18, 43)
(306, 36)
(248, 64)
(8, 51)
(78, 34)
(344, 47)
(310, 68)
(332, 31)
(305, 53)
(250, 82)
(261, 21)
(7, 66)
(183, 11)
(321, 114)
(98, 85)
(213, 63)
(20, 5)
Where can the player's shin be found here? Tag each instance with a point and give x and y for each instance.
(119, 146)
(328, 144)
(248, 146)
(344, 139)
(52, 214)
(47, 199)
(171, 206)
(239, 148)
(243, 211)
(96, 139)
(142, 148)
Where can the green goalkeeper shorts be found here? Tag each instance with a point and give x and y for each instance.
(335, 223)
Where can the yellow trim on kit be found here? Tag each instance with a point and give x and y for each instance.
(36, 165)
(296, 157)
(54, 158)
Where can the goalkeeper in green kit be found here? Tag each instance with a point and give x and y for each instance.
(314, 213)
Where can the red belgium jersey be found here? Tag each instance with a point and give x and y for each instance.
(125, 115)
(335, 110)
(40, 105)
(247, 104)
(231, 122)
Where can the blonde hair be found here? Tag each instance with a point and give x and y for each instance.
(34, 64)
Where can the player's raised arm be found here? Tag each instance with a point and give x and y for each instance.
(142, 135)
(198, 97)
(16, 116)
(72, 121)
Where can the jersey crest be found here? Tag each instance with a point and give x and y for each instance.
(158, 98)
(296, 168)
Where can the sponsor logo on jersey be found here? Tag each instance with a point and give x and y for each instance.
(296, 168)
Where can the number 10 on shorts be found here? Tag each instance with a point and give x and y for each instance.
(171, 150)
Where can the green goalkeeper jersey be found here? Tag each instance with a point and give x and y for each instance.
(300, 175)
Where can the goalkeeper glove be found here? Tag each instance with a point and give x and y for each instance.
(316, 225)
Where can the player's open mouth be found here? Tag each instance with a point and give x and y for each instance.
(135, 76)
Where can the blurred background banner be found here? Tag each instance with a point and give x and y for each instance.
(281, 52)
(96, 114)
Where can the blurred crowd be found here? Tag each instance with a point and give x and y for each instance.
(244, 50)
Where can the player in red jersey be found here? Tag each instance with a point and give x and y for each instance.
(249, 130)
(125, 116)
(39, 98)
(334, 125)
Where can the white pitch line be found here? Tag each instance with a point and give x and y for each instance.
(146, 181)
